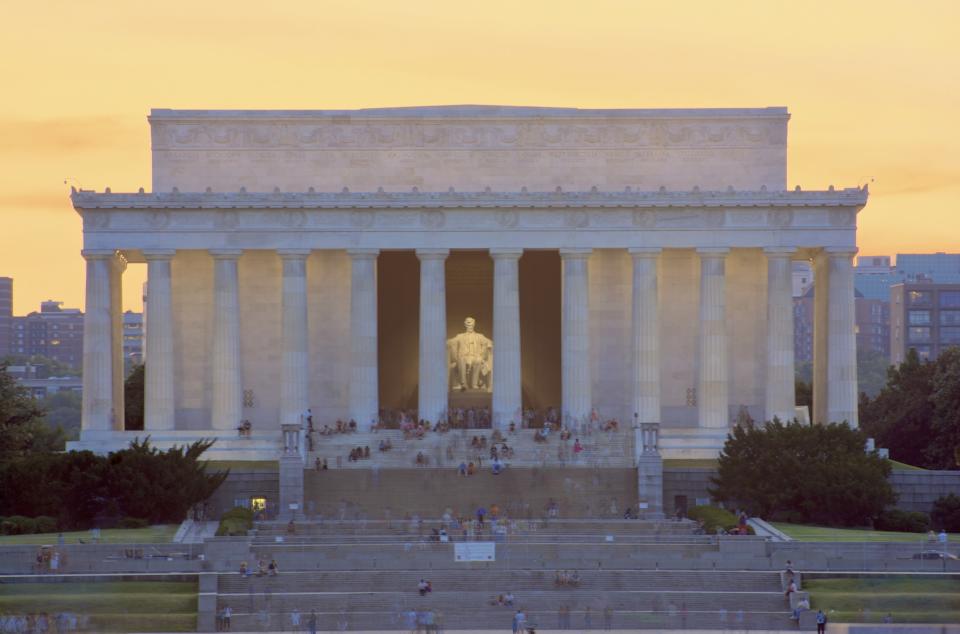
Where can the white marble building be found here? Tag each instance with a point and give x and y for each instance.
(266, 233)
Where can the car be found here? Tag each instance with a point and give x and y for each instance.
(933, 554)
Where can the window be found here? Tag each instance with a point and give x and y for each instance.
(258, 504)
(950, 334)
(919, 317)
(949, 299)
(950, 318)
(919, 334)
(919, 298)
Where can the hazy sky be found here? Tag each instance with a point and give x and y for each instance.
(873, 87)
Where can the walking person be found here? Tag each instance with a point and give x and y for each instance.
(821, 622)
(295, 620)
(227, 613)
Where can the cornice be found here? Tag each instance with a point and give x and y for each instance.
(848, 197)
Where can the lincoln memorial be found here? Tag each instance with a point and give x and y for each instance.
(629, 265)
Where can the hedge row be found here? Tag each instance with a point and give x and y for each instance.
(235, 522)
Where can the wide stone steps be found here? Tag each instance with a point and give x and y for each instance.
(487, 580)
(557, 527)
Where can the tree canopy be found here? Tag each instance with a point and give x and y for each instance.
(22, 425)
(917, 414)
(807, 473)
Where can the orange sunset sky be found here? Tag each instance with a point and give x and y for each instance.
(873, 87)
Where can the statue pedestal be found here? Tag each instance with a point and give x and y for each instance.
(470, 399)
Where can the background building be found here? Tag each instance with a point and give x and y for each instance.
(132, 339)
(925, 317)
(6, 314)
(54, 332)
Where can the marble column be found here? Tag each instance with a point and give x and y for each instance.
(712, 390)
(295, 363)
(364, 379)
(158, 384)
(98, 410)
(841, 338)
(507, 401)
(227, 397)
(117, 266)
(434, 369)
(645, 348)
(575, 335)
(780, 396)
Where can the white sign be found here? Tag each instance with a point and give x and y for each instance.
(474, 551)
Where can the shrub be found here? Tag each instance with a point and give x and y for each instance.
(946, 513)
(714, 517)
(46, 524)
(903, 521)
(235, 522)
(19, 525)
(133, 522)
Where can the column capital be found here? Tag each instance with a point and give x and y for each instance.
(644, 252)
(506, 253)
(293, 254)
(575, 253)
(225, 254)
(158, 254)
(363, 254)
(713, 252)
(98, 254)
(773, 252)
(433, 254)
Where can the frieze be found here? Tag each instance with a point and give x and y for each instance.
(406, 135)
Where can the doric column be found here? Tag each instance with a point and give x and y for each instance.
(117, 266)
(158, 385)
(227, 398)
(434, 369)
(841, 339)
(712, 391)
(294, 365)
(780, 397)
(506, 337)
(98, 410)
(645, 348)
(575, 334)
(364, 385)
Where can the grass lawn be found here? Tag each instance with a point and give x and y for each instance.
(906, 599)
(681, 463)
(803, 532)
(132, 606)
(902, 466)
(159, 534)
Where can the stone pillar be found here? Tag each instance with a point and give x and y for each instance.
(507, 401)
(841, 339)
(434, 369)
(98, 410)
(295, 364)
(821, 300)
(575, 335)
(712, 391)
(117, 266)
(649, 471)
(780, 396)
(227, 397)
(158, 384)
(291, 473)
(645, 347)
(364, 380)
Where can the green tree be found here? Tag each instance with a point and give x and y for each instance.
(63, 411)
(945, 398)
(133, 398)
(22, 427)
(54, 367)
(871, 371)
(809, 473)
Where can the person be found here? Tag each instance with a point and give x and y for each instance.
(273, 568)
(312, 622)
(227, 613)
(508, 599)
(295, 620)
(291, 528)
(422, 587)
(821, 622)
(942, 539)
(888, 618)
(791, 588)
(481, 513)
(519, 620)
(577, 447)
(496, 466)
(244, 572)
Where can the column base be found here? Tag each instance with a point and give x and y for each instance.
(691, 443)
(650, 486)
(291, 488)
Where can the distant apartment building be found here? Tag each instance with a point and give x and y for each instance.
(54, 332)
(37, 379)
(925, 317)
(133, 332)
(6, 314)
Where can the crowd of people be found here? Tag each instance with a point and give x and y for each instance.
(44, 622)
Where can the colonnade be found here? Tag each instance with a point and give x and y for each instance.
(835, 392)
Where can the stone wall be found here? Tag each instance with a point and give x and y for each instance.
(243, 485)
(690, 482)
(918, 489)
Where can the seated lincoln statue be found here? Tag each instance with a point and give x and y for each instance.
(471, 356)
